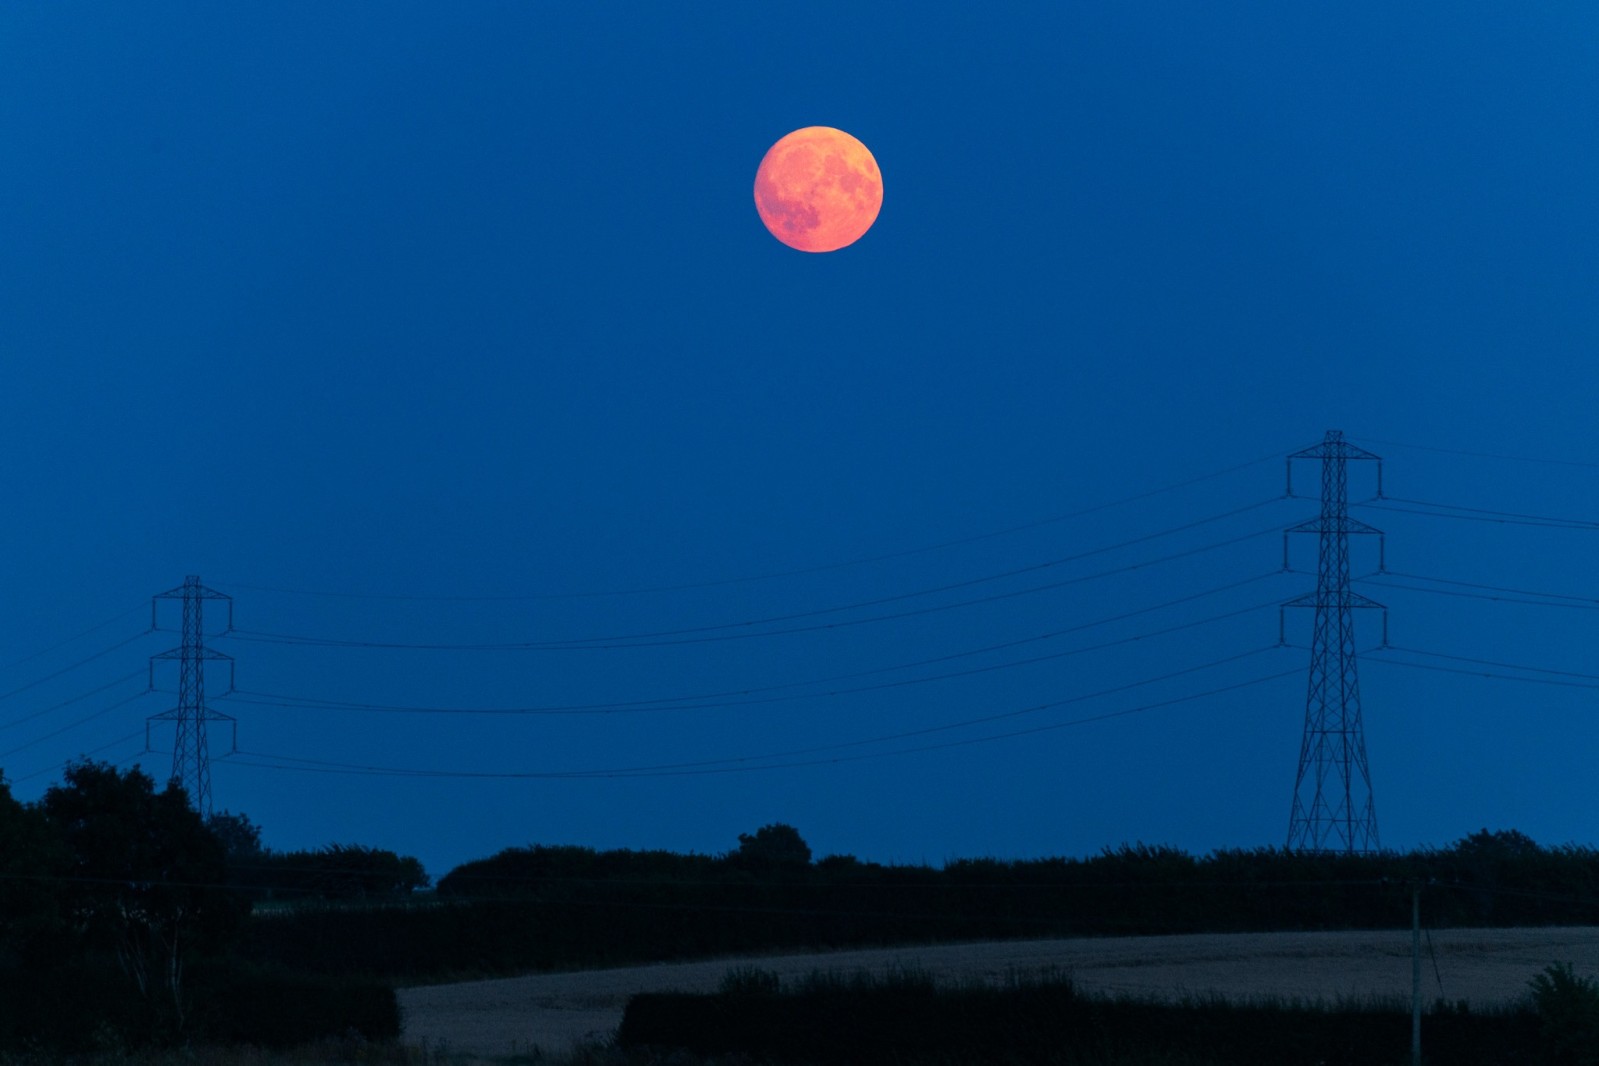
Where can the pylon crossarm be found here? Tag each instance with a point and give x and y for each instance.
(233, 729)
(1341, 524)
(1334, 446)
(198, 592)
(1343, 599)
(197, 653)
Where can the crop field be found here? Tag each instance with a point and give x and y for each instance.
(556, 1011)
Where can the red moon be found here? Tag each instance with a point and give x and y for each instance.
(818, 189)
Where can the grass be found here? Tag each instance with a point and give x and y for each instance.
(593, 1053)
(906, 1016)
(870, 996)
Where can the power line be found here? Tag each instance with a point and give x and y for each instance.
(1490, 675)
(738, 764)
(73, 725)
(879, 687)
(1579, 522)
(738, 697)
(1590, 601)
(1483, 455)
(1475, 595)
(76, 636)
(68, 669)
(687, 635)
(1492, 662)
(1380, 652)
(136, 735)
(67, 703)
(632, 639)
(1477, 514)
(772, 575)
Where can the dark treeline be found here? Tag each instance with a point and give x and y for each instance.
(338, 872)
(126, 919)
(908, 1018)
(1488, 878)
(119, 928)
(568, 907)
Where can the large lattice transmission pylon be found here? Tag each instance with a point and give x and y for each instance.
(191, 757)
(1333, 810)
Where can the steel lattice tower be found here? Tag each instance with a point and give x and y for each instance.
(191, 758)
(1333, 809)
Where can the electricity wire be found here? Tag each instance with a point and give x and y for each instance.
(1476, 514)
(67, 703)
(711, 633)
(762, 700)
(741, 697)
(81, 662)
(1579, 522)
(76, 637)
(1460, 594)
(1480, 455)
(1492, 662)
(92, 751)
(1378, 655)
(1556, 682)
(73, 725)
(772, 575)
(1589, 601)
(742, 764)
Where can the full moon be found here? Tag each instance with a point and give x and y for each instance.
(818, 189)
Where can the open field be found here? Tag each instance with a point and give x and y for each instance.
(555, 1011)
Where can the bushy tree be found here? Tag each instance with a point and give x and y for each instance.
(143, 878)
(774, 845)
(1568, 1010)
(30, 919)
(240, 837)
(1488, 861)
(248, 862)
(343, 872)
(1499, 845)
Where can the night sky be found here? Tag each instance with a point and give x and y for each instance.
(446, 340)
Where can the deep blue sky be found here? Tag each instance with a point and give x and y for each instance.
(455, 324)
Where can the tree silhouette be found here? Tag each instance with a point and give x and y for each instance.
(240, 837)
(143, 877)
(773, 845)
(30, 919)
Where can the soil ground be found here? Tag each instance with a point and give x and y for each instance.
(554, 1011)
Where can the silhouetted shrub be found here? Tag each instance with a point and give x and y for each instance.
(566, 907)
(277, 1008)
(338, 872)
(73, 1004)
(749, 981)
(904, 1018)
(1568, 1010)
(775, 845)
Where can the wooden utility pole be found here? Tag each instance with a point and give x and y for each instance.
(1415, 974)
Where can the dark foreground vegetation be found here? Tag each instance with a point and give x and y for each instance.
(119, 929)
(555, 908)
(127, 922)
(907, 1018)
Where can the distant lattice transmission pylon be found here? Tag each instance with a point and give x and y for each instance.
(191, 758)
(1333, 810)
